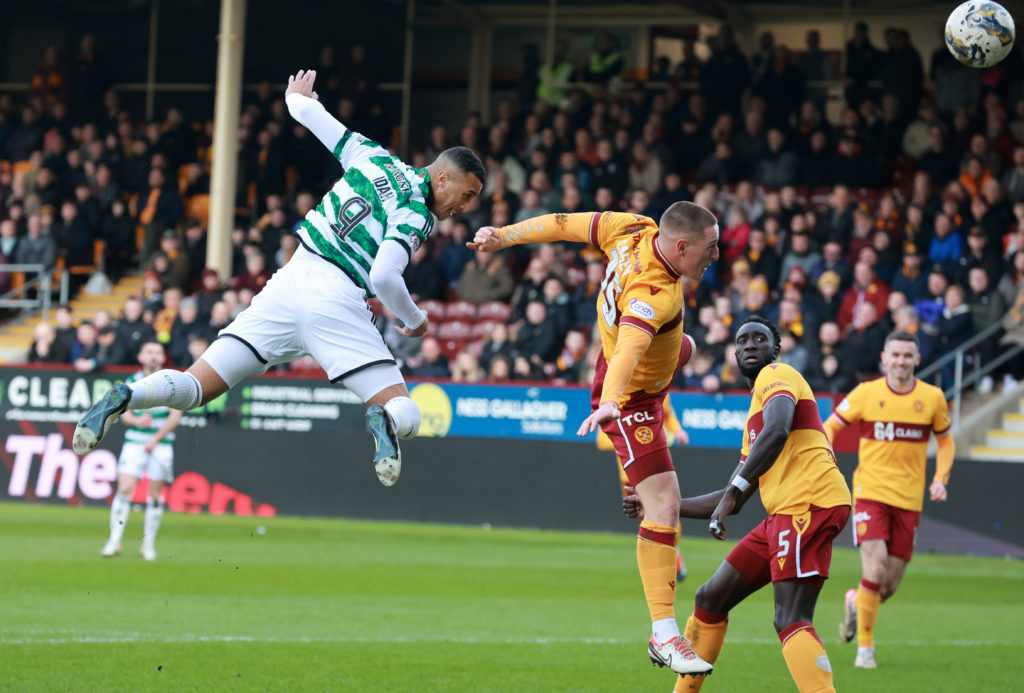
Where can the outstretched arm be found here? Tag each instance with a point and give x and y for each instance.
(580, 228)
(778, 419)
(695, 507)
(304, 105)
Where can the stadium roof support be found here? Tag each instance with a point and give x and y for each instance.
(410, 15)
(226, 112)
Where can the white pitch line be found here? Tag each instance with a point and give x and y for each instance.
(191, 638)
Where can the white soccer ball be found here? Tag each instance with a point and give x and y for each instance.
(979, 33)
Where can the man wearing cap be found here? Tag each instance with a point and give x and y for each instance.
(910, 280)
(978, 254)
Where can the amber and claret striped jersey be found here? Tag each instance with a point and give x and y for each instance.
(805, 472)
(894, 432)
(640, 289)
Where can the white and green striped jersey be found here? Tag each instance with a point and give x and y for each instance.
(136, 434)
(380, 197)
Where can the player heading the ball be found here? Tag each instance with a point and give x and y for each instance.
(640, 316)
(353, 246)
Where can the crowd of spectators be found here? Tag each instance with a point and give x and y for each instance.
(905, 212)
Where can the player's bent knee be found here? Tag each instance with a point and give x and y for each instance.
(405, 414)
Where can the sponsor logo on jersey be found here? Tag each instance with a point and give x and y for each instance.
(782, 563)
(403, 184)
(844, 405)
(644, 435)
(637, 417)
(641, 309)
(918, 405)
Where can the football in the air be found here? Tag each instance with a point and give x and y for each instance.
(979, 34)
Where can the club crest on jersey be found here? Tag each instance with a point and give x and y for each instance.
(644, 435)
(641, 309)
(881, 403)
(918, 405)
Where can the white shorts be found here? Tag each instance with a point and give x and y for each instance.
(310, 307)
(157, 465)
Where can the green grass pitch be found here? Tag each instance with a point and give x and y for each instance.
(327, 605)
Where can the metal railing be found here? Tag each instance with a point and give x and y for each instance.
(41, 282)
(978, 370)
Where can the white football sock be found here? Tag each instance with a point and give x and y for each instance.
(119, 509)
(664, 629)
(154, 514)
(405, 415)
(166, 388)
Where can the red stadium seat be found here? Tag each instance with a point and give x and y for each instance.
(435, 310)
(461, 310)
(494, 310)
(454, 329)
(451, 347)
(482, 330)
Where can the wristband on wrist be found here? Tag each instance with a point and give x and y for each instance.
(740, 483)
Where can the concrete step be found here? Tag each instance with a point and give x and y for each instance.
(1013, 422)
(1007, 440)
(985, 453)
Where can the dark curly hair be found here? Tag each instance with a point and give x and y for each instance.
(767, 323)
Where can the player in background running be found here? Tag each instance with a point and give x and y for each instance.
(895, 416)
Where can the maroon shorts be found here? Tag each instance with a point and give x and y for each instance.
(790, 547)
(895, 526)
(638, 435)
